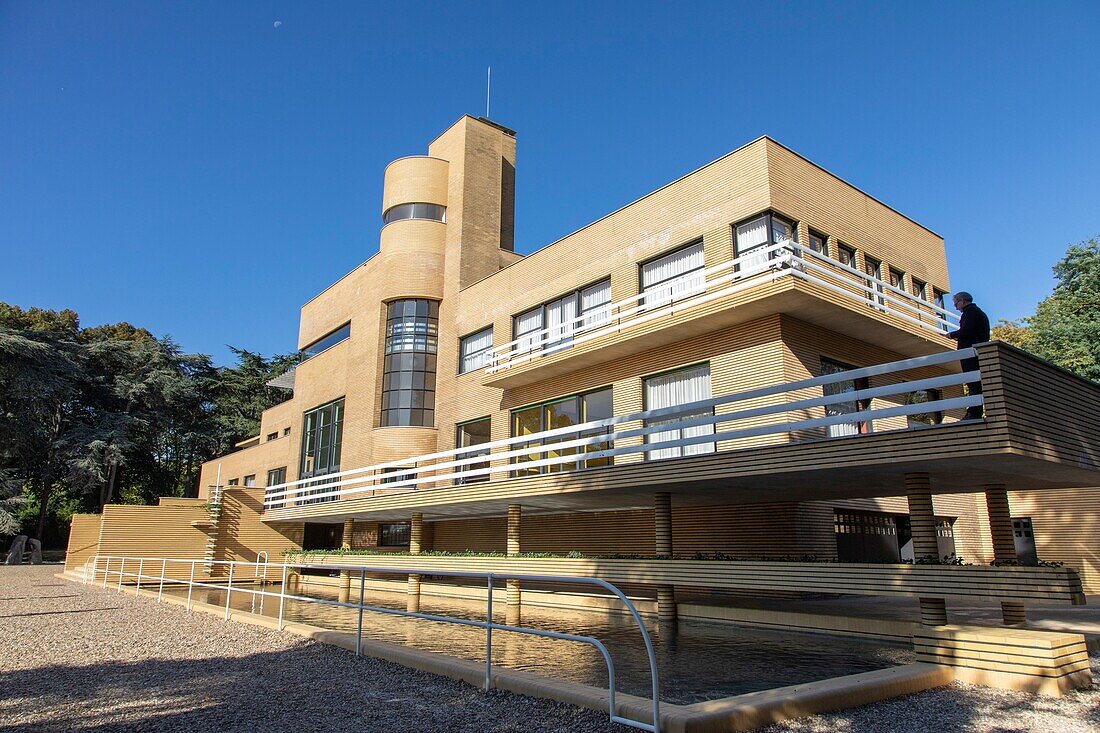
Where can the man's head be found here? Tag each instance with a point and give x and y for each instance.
(962, 299)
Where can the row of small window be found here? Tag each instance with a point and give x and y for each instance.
(275, 477)
(664, 279)
(274, 435)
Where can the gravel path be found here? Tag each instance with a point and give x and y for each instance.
(86, 659)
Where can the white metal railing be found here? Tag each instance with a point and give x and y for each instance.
(608, 437)
(785, 259)
(258, 576)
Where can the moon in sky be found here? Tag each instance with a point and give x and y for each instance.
(278, 23)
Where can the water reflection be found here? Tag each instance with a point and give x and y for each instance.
(700, 661)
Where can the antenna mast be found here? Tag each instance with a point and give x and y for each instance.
(488, 83)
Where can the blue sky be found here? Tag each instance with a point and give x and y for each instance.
(196, 170)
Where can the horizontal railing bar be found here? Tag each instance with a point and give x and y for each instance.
(862, 372)
(861, 416)
(783, 407)
(568, 333)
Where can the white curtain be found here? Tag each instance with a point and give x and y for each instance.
(674, 276)
(595, 304)
(679, 388)
(476, 349)
(752, 243)
(560, 324)
(527, 327)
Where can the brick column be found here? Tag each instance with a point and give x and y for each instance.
(1014, 613)
(345, 544)
(416, 535)
(922, 519)
(514, 604)
(662, 536)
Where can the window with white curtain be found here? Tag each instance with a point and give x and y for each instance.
(679, 388)
(551, 326)
(596, 304)
(755, 237)
(474, 350)
(526, 328)
(673, 277)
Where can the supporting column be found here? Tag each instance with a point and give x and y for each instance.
(514, 597)
(1004, 546)
(662, 536)
(416, 535)
(922, 520)
(345, 544)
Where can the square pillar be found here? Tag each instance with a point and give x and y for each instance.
(662, 536)
(345, 544)
(922, 519)
(514, 599)
(416, 536)
(1014, 613)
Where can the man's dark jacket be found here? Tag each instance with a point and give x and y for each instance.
(973, 327)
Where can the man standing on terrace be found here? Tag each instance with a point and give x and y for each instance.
(973, 329)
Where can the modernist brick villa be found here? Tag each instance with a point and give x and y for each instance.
(739, 384)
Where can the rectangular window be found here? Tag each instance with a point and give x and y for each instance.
(276, 476)
(755, 237)
(679, 388)
(286, 431)
(846, 255)
(562, 413)
(469, 434)
(551, 325)
(919, 287)
(938, 299)
(846, 407)
(273, 436)
(322, 434)
(897, 278)
(874, 269)
(400, 475)
(250, 480)
(924, 418)
(674, 276)
(393, 535)
(234, 482)
(327, 341)
(818, 242)
(474, 350)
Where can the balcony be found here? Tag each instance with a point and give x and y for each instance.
(781, 278)
(789, 442)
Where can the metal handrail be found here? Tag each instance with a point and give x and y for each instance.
(489, 625)
(598, 432)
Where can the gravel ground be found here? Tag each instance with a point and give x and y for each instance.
(77, 659)
(92, 660)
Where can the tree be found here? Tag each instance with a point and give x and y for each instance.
(1066, 326)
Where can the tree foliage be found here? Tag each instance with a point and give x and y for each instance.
(1065, 328)
(112, 414)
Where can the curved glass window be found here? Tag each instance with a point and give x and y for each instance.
(433, 212)
(408, 369)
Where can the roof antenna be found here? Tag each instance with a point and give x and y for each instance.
(488, 82)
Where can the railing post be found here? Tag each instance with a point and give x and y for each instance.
(163, 570)
(106, 570)
(121, 572)
(359, 628)
(282, 598)
(489, 634)
(228, 589)
(191, 584)
(141, 568)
